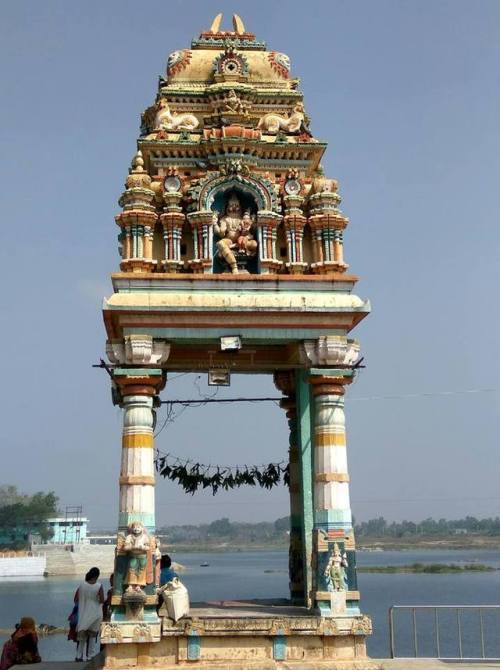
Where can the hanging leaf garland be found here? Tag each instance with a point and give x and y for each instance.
(193, 476)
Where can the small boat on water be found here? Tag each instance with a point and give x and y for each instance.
(205, 564)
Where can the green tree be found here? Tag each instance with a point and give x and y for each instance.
(282, 524)
(22, 514)
(221, 528)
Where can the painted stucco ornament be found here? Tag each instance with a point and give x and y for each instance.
(230, 62)
(234, 230)
(174, 58)
(280, 63)
(177, 61)
(165, 120)
(273, 123)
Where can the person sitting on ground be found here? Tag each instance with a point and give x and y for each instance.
(166, 571)
(166, 575)
(90, 598)
(22, 647)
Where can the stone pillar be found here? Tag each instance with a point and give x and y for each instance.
(338, 247)
(267, 223)
(335, 575)
(295, 221)
(137, 389)
(202, 224)
(137, 474)
(285, 382)
(172, 221)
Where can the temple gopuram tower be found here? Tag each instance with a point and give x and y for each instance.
(232, 261)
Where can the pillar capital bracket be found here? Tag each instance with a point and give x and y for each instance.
(284, 380)
(138, 349)
(139, 381)
(327, 384)
(330, 350)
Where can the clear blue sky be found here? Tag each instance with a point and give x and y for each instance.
(407, 94)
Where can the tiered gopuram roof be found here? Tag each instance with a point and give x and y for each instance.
(226, 192)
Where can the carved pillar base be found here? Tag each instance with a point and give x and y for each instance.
(269, 266)
(271, 642)
(328, 266)
(172, 266)
(200, 266)
(137, 265)
(296, 268)
(134, 602)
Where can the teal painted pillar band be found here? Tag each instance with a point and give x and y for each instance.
(304, 437)
(193, 646)
(279, 646)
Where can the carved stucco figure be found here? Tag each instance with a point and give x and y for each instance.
(234, 104)
(234, 229)
(335, 570)
(273, 123)
(165, 120)
(137, 544)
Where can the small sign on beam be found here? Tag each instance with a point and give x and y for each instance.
(230, 343)
(219, 378)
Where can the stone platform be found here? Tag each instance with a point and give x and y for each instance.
(435, 664)
(382, 664)
(256, 634)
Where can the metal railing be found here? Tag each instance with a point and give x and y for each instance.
(444, 630)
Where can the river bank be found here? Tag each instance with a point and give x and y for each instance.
(264, 574)
(427, 568)
(368, 544)
(429, 542)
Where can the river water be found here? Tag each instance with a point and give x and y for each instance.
(234, 575)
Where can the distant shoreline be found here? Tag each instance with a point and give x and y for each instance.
(369, 544)
(427, 568)
(444, 542)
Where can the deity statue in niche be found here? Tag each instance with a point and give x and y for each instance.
(335, 573)
(234, 230)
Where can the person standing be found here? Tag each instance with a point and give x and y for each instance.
(90, 598)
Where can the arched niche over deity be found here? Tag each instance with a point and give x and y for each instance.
(239, 241)
(259, 190)
(235, 231)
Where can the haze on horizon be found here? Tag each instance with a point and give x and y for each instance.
(407, 94)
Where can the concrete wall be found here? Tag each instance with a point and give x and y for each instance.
(22, 566)
(78, 559)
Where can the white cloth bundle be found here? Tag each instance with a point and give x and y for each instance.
(175, 599)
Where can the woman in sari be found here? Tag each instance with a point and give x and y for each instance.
(22, 648)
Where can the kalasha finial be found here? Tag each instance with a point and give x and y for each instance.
(215, 27)
(238, 25)
(137, 164)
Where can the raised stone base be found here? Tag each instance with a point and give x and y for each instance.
(251, 635)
